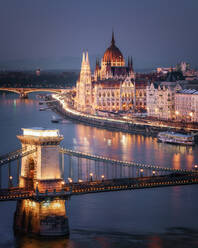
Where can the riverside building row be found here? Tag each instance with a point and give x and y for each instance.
(172, 101)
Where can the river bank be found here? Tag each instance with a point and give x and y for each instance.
(110, 123)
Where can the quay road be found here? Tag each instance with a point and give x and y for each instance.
(125, 124)
(88, 187)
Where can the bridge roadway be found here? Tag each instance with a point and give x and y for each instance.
(121, 162)
(88, 187)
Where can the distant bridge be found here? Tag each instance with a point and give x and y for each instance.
(23, 92)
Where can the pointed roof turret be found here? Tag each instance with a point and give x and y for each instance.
(97, 64)
(87, 58)
(83, 58)
(113, 39)
(129, 63)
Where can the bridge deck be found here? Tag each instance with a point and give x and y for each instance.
(70, 189)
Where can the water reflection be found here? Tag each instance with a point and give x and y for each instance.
(142, 211)
(176, 161)
(133, 147)
(33, 242)
(155, 242)
(45, 218)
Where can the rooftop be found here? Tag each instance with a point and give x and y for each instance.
(41, 132)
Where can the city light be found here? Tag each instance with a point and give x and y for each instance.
(40, 132)
(70, 180)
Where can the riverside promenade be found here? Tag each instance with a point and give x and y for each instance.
(150, 128)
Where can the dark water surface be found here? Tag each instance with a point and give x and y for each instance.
(161, 217)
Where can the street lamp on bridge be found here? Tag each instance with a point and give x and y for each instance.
(141, 172)
(70, 180)
(195, 167)
(91, 177)
(10, 181)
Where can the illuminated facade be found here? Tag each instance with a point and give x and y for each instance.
(161, 100)
(44, 163)
(186, 105)
(110, 88)
(84, 86)
(113, 95)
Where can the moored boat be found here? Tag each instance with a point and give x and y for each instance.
(42, 109)
(55, 119)
(176, 138)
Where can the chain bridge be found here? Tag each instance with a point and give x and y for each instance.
(42, 176)
(84, 173)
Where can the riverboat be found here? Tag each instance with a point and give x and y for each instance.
(176, 138)
(42, 109)
(54, 119)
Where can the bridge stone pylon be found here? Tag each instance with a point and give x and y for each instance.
(40, 169)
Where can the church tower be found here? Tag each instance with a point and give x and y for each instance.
(84, 86)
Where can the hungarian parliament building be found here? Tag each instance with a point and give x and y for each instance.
(115, 87)
(112, 86)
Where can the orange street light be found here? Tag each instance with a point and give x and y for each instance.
(91, 177)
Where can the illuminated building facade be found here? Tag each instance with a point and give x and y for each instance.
(84, 86)
(161, 100)
(110, 88)
(44, 163)
(186, 105)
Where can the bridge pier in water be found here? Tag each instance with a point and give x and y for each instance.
(45, 218)
(41, 172)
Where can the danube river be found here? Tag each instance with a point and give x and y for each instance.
(141, 218)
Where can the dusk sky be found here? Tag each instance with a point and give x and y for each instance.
(53, 33)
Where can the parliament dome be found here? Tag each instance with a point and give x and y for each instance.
(113, 55)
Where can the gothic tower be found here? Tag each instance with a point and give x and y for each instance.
(84, 87)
